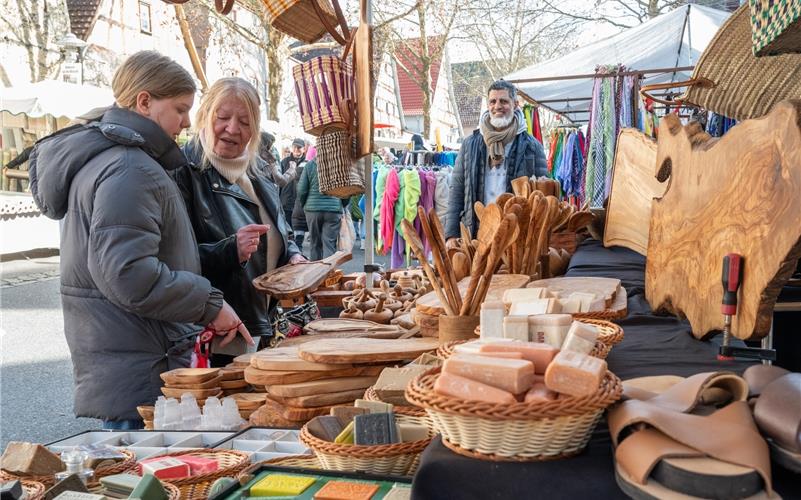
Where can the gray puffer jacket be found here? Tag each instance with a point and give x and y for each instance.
(131, 291)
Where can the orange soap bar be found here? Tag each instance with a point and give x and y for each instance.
(575, 374)
(539, 393)
(506, 355)
(512, 375)
(539, 353)
(346, 490)
(455, 386)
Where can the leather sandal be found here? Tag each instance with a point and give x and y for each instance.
(689, 438)
(777, 412)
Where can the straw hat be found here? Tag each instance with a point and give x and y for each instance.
(744, 86)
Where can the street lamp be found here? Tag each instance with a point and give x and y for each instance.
(72, 69)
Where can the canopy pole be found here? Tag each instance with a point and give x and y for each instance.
(366, 16)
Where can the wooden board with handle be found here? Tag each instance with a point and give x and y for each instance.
(366, 350)
(600, 287)
(634, 187)
(288, 359)
(186, 376)
(321, 386)
(740, 194)
(269, 415)
(294, 280)
(339, 325)
(429, 304)
(293, 413)
(315, 400)
(271, 377)
(302, 339)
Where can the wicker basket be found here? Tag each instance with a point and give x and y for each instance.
(34, 490)
(393, 459)
(231, 463)
(125, 465)
(405, 414)
(520, 432)
(609, 336)
(298, 461)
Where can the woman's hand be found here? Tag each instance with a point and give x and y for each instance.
(247, 240)
(227, 324)
(297, 258)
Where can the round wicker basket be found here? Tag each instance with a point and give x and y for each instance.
(34, 490)
(514, 432)
(298, 461)
(609, 335)
(395, 459)
(404, 414)
(124, 465)
(231, 463)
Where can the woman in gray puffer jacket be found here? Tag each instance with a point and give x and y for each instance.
(132, 296)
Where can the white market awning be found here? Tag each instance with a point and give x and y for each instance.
(54, 98)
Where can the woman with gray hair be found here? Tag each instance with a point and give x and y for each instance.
(235, 210)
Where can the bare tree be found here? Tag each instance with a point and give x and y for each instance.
(35, 25)
(629, 13)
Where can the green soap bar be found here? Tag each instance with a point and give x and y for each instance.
(123, 483)
(149, 488)
(277, 485)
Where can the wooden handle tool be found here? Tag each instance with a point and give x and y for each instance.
(440, 260)
(410, 235)
(467, 242)
(439, 234)
(579, 220)
(461, 265)
(521, 186)
(503, 238)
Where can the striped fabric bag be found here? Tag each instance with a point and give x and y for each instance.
(338, 174)
(299, 18)
(325, 89)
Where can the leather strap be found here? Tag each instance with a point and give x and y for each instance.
(692, 391)
(759, 376)
(778, 412)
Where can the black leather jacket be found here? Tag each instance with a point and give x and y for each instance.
(217, 210)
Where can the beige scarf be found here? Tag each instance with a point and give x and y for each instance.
(496, 140)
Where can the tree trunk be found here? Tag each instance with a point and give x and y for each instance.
(425, 71)
(653, 8)
(275, 71)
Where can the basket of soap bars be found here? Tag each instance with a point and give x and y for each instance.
(367, 437)
(193, 472)
(516, 401)
(34, 490)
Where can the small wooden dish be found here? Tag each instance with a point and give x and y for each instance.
(210, 384)
(232, 373)
(199, 394)
(234, 384)
(189, 375)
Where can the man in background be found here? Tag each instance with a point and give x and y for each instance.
(293, 164)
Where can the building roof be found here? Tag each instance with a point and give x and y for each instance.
(410, 93)
(83, 14)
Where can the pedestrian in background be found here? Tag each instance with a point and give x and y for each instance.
(295, 161)
(269, 154)
(323, 213)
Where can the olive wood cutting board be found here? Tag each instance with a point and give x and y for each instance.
(321, 386)
(287, 359)
(271, 377)
(215, 382)
(339, 325)
(269, 415)
(302, 339)
(190, 375)
(172, 392)
(233, 384)
(366, 350)
(600, 287)
(295, 413)
(232, 373)
(739, 193)
(295, 280)
(242, 361)
(316, 400)
(430, 304)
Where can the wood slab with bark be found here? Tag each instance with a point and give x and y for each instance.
(740, 194)
(295, 280)
(366, 350)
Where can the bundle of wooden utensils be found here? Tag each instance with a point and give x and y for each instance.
(514, 232)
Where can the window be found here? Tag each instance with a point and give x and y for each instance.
(144, 18)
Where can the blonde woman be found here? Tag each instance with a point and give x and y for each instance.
(235, 210)
(131, 288)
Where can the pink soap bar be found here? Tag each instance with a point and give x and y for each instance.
(506, 355)
(539, 393)
(575, 374)
(540, 354)
(455, 386)
(512, 375)
(199, 465)
(164, 467)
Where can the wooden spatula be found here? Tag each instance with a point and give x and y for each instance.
(410, 235)
(461, 265)
(440, 259)
(579, 220)
(502, 199)
(521, 186)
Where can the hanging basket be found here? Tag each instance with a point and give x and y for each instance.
(325, 89)
(299, 18)
(337, 173)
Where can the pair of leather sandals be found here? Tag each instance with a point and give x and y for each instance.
(698, 437)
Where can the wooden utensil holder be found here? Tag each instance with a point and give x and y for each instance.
(457, 328)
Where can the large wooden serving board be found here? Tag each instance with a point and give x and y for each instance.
(366, 350)
(321, 386)
(601, 287)
(288, 359)
(634, 187)
(311, 337)
(294, 280)
(271, 377)
(739, 193)
(314, 400)
(340, 325)
(430, 304)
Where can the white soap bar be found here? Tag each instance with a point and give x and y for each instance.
(549, 328)
(597, 305)
(536, 306)
(523, 295)
(516, 328)
(570, 305)
(581, 338)
(492, 314)
(585, 299)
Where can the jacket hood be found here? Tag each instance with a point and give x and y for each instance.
(521, 121)
(57, 159)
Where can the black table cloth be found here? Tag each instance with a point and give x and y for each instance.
(653, 345)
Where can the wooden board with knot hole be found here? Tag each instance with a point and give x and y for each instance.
(739, 194)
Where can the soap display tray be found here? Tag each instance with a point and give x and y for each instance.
(263, 443)
(144, 443)
(385, 483)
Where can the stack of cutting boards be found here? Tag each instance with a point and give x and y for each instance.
(248, 402)
(200, 382)
(233, 381)
(305, 381)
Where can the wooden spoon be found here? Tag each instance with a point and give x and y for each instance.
(440, 259)
(439, 234)
(502, 199)
(521, 186)
(579, 220)
(411, 237)
(489, 224)
(461, 265)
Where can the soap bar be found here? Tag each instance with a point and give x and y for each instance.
(276, 485)
(412, 432)
(11, 490)
(373, 429)
(575, 374)
(549, 328)
(150, 488)
(373, 406)
(523, 295)
(76, 495)
(597, 305)
(399, 493)
(538, 353)
(492, 314)
(346, 490)
(512, 375)
(70, 483)
(345, 414)
(164, 467)
(28, 459)
(503, 355)
(120, 483)
(516, 328)
(536, 306)
(199, 465)
(463, 388)
(585, 299)
(346, 436)
(539, 393)
(426, 359)
(581, 338)
(391, 384)
(325, 427)
(570, 305)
